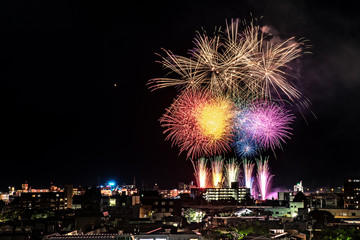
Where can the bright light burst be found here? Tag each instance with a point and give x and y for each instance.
(245, 147)
(241, 61)
(199, 123)
(215, 118)
(265, 123)
(217, 164)
(263, 177)
(202, 172)
(248, 167)
(232, 171)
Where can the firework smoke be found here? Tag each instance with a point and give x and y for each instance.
(263, 177)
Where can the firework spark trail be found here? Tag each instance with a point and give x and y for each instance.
(202, 172)
(265, 123)
(236, 62)
(263, 177)
(232, 171)
(245, 147)
(217, 164)
(248, 172)
(200, 124)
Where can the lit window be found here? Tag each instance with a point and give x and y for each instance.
(112, 202)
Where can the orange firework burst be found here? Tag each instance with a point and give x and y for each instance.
(199, 123)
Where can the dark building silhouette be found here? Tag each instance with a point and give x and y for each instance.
(352, 193)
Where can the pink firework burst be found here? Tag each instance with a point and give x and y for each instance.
(184, 122)
(267, 123)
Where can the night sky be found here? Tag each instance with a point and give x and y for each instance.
(64, 120)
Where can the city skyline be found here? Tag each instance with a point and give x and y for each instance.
(78, 107)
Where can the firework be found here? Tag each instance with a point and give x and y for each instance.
(217, 164)
(248, 172)
(200, 124)
(215, 118)
(236, 62)
(202, 172)
(267, 124)
(232, 171)
(263, 177)
(245, 147)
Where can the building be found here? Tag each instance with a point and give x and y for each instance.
(43, 200)
(326, 200)
(173, 193)
(68, 192)
(239, 194)
(158, 236)
(299, 187)
(352, 193)
(292, 210)
(286, 196)
(344, 213)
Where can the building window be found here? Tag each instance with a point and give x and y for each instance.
(112, 202)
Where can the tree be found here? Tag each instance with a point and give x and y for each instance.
(194, 215)
(322, 217)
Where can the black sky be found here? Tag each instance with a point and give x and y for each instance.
(64, 121)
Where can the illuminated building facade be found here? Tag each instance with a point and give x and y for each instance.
(352, 193)
(299, 187)
(291, 210)
(218, 194)
(173, 193)
(43, 200)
